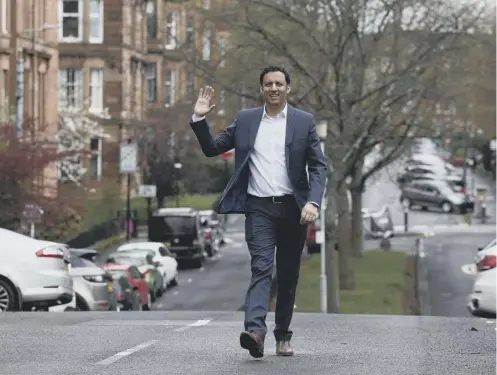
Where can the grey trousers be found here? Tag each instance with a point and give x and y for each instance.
(268, 227)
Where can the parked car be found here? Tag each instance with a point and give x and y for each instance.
(482, 301)
(179, 229)
(136, 279)
(434, 194)
(93, 287)
(162, 255)
(33, 273)
(147, 267)
(127, 295)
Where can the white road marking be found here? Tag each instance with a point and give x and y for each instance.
(201, 269)
(175, 293)
(127, 352)
(237, 244)
(189, 281)
(198, 323)
(469, 269)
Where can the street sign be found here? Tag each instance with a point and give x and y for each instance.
(128, 158)
(319, 237)
(147, 191)
(227, 155)
(32, 213)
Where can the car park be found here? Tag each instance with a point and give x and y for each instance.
(163, 257)
(143, 260)
(37, 277)
(179, 229)
(482, 300)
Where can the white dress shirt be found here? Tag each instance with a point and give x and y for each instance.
(268, 173)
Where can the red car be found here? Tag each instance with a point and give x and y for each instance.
(136, 279)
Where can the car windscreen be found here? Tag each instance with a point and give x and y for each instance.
(175, 224)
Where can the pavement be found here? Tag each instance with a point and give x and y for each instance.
(450, 272)
(206, 343)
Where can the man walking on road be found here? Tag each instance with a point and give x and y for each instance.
(273, 145)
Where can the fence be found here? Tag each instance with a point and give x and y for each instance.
(97, 233)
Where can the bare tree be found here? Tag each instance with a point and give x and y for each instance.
(365, 67)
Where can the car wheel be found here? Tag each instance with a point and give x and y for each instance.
(7, 297)
(174, 282)
(80, 305)
(446, 207)
(197, 263)
(148, 305)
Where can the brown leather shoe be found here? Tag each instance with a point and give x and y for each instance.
(283, 348)
(253, 343)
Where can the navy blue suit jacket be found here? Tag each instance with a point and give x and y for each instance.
(301, 148)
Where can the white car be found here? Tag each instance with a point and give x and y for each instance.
(163, 256)
(482, 300)
(33, 273)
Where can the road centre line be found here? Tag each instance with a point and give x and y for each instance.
(198, 323)
(125, 353)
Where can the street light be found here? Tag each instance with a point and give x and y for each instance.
(177, 167)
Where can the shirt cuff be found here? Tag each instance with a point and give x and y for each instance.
(196, 118)
(314, 203)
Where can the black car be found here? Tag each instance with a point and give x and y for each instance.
(180, 230)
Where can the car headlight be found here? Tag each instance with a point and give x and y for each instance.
(94, 278)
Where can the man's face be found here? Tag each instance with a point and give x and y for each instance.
(274, 89)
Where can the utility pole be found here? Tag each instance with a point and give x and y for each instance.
(328, 278)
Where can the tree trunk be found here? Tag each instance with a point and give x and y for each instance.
(346, 259)
(357, 223)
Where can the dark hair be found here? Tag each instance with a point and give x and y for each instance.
(274, 68)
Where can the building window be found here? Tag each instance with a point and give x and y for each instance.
(70, 13)
(4, 10)
(206, 50)
(190, 86)
(169, 87)
(222, 52)
(71, 88)
(96, 90)
(96, 21)
(190, 34)
(151, 77)
(151, 19)
(171, 30)
(222, 99)
(96, 158)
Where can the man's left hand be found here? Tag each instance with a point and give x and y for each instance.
(309, 214)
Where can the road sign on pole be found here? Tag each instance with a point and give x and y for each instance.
(147, 191)
(128, 157)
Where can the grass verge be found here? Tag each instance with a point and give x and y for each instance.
(384, 285)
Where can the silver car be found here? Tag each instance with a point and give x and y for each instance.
(92, 286)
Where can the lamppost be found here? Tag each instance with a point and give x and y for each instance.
(177, 167)
(328, 275)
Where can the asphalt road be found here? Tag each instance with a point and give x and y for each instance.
(448, 283)
(206, 343)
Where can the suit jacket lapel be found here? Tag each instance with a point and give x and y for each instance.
(290, 126)
(254, 121)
